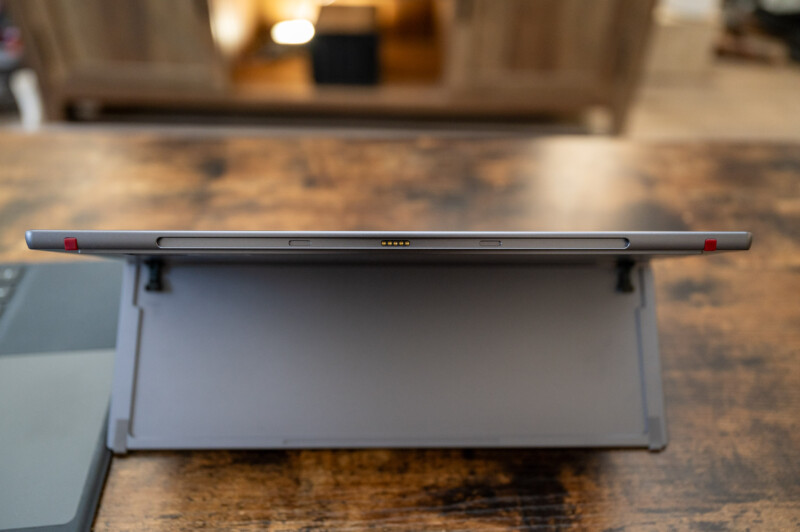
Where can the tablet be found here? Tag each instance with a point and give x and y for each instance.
(377, 245)
(488, 339)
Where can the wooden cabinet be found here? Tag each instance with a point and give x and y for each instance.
(476, 58)
(99, 49)
(548, 55)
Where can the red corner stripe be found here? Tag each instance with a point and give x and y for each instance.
(70, 244)
(711, 244)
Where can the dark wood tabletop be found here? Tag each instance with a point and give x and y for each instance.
(729, 323)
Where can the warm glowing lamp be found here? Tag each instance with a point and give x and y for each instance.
(297, 31)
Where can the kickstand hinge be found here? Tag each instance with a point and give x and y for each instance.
(624, 281)
(154, 281)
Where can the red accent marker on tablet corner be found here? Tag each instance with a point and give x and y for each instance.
(70, 244)
(711, 244)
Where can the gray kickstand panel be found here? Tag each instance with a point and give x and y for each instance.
(249, 355)
(651, 362)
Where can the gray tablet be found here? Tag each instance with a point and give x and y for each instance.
(488, 339)
(385, 245)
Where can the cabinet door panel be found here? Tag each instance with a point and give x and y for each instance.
(580, 47)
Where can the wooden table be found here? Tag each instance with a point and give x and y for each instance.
(729, 323)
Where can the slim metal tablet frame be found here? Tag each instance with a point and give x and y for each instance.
(377, 243)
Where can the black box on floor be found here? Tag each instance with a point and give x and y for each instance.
(345, 47)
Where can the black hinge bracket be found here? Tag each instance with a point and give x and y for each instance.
(154, 281)
(624, 280)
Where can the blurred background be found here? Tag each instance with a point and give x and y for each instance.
(666, 69)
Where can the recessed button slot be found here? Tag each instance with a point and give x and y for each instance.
(300, 243)
(490, 243)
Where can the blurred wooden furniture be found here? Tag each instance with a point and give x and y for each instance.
(502, 59)
(521, 56)
(118, 49)
(728, 323)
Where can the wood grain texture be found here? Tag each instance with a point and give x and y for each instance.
(729, 324)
